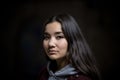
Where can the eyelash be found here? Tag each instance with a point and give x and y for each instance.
(46, 37)
(57, 37)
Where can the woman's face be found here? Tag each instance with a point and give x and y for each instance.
(55, 43)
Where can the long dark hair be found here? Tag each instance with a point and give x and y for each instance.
(79, 53)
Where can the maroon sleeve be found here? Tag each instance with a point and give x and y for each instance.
(79, 77)
(43, 74)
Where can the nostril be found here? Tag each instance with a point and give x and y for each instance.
(51, 47)
(51, 44)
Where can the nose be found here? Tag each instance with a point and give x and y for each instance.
(52, 42)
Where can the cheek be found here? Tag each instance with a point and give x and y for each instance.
(64, 45)
(45, 45)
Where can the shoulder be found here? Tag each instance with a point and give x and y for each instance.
(43, 74)
(43, 71)
(79, 77)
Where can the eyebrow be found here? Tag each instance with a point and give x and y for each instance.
(58, 32)
(46, 33)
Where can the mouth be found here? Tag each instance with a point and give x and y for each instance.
(52, 52)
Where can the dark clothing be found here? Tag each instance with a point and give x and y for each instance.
(62, 73)
(44, 75)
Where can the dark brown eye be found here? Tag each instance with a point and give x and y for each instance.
(59, 37)
(46, 37)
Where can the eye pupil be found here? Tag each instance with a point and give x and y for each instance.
(60, 37)
(46, 37)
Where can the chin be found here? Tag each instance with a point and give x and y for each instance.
(53, 58)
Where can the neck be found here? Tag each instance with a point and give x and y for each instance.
(61, 63)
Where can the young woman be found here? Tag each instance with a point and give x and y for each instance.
(69, 56)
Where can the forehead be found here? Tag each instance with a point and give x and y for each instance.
(53, 27)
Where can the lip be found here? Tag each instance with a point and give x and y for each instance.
(51, 52)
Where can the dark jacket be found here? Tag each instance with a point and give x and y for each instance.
(44, 76)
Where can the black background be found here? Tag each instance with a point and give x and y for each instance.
(21, 25)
